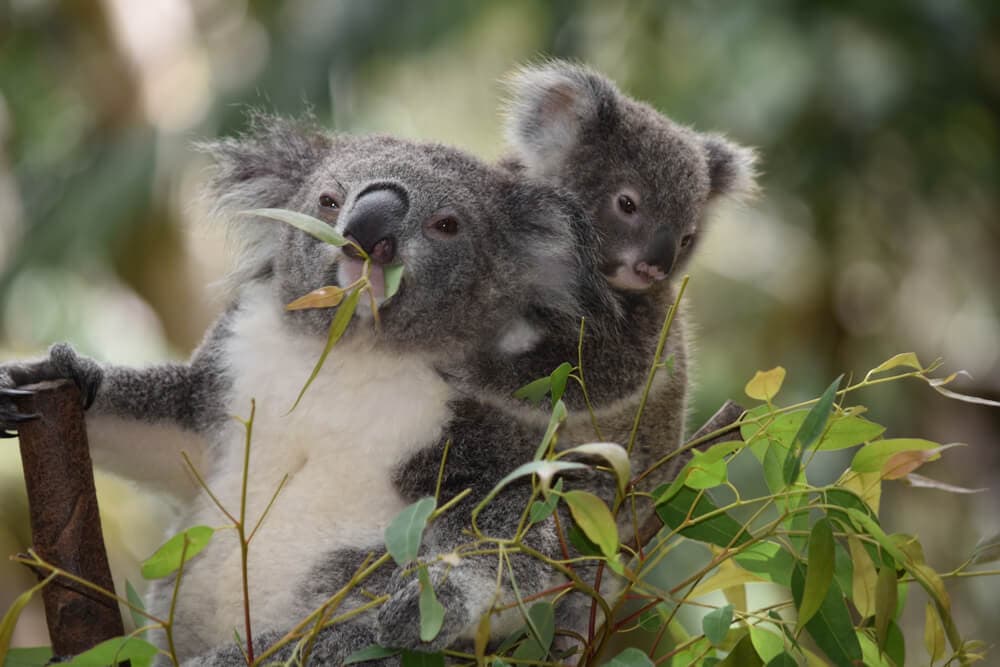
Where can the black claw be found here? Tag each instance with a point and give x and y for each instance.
(18, 418)
(8, 434)
(91, 395)
(8, 391)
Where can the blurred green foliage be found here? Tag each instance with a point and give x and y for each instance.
(878, 123)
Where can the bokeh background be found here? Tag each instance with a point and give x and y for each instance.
(878, 230)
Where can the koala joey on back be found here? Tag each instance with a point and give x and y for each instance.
(647, 185)
(478, 244)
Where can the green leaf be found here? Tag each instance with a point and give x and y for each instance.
(541, 628)
(431, 610)
(782, 659)
(810, 431)
(895, 645)
(819, 570)
(742, 655)
(167, 559)
(113, 651)
(392, 276)
(842, 432)
(765, 384)
(721, 529)
(135, 600)
(873, 656)
(715, 624)
(595, 520)
(873, 456)
(766, 643)
(306, 223)
(581, 542)
(814, 423)
(418, 659)
(405, 533)
(886, 593)
(37, 656)
(630, 657)
(373, 652)
(703, 473)
(557, 418)
(341, 318)
(830, 627)
(541, 510)
(558, 385)
(535, 390)
(767, 560)
(613, 453)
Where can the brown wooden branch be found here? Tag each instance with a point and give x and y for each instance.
(65, 524)
(723, 417)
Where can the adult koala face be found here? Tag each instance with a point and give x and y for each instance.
(476, 245)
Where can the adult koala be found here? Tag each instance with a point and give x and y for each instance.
(478, 246)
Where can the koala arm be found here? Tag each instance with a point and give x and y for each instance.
(138, 419)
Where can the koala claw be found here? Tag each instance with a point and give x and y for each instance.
(8, 391)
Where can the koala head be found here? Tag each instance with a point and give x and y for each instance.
(477, 244)
(645, 180)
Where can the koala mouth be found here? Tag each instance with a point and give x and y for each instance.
(350, 271)
(633, 276)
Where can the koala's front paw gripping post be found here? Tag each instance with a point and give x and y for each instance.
(65, 525)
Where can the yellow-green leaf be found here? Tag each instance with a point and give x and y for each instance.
(306, 223)
(324, 297)
(908, 359)
(715, 624)
(864, 578)
(767, 644)
(392, 277)
(114, 651)
(337, 327)
(933, 634)
(873, 456)
(764, 385)
(819, 570)
(594, 519)
(14, 612)
(168, 558)
(726, 575)
(886, 593)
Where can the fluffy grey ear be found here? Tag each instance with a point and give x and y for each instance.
(262, 168)
(548, 108)
(732, 168)
(265, 166)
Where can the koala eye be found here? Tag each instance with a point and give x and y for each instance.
(329, 201)
(686, 240)
(443, 226)
(626, 205)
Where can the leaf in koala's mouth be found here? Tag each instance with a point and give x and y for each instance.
(392, 275)
(324, 297)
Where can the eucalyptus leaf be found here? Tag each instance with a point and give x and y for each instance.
(418, 659)
(306, 223)
(431, 610)
(114, 651)
(36, 656)
(630, 657)
(594, 519)
(613, 453)
(405, 533)
(715, 624)
(392, 276)
(685, 510)
(541, 628)
(167, 559)
(819, 570)
(831, 626)
(373, 652)
(135, 600)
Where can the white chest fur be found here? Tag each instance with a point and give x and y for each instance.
(366, 412)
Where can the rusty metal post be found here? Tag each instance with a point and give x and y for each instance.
(65, 524)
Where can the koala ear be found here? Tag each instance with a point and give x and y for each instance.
(732, 169)
(548, 108)
(265, 166)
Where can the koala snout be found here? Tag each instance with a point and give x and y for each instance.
(373, 220)
(658, 259)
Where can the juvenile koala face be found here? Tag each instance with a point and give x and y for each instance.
(475, 243)
(645, 180)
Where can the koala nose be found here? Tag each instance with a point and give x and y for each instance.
(372, 221)
(659, 257)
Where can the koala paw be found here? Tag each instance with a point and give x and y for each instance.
(399, 617)
(63, 363)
